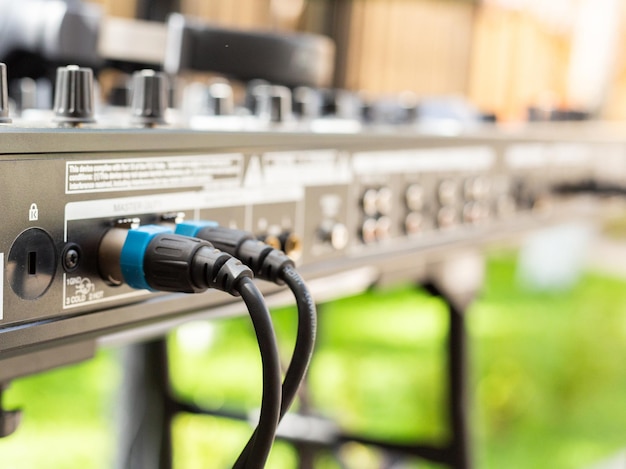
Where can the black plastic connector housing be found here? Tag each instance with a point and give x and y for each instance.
(190, 265)
(266, 262)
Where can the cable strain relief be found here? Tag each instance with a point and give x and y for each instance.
(253, 252)
(225, 239)
(217, 269)
(230, 274)
(273, 265)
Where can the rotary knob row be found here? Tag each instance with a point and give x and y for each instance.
(74, 102)
(74, 96)
(280, 104)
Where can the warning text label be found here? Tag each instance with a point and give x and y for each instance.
(153, 173)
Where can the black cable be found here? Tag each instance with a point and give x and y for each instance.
(255, 454)
(274, 266)
(302, 352)
(305, 340)
(154, 258)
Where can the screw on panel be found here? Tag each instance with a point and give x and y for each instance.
(71, 257)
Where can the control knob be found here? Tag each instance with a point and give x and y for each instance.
(149, 97)
(4, 95)
(74, 95)
(220, 101)
(307, 103)
(271, 102)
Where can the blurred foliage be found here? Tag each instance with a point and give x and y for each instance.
(550, 372)
(548, 381)
(67, 417)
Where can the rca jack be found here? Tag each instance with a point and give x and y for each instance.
(291, 244)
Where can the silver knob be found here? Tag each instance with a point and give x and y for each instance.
(307, 103)
(271, 103)
(280, 110)
(149, 101)
(4, 95)
(73, 95)
(220, 99)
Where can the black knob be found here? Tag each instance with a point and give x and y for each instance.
(74, 95)
(149, 97)
(342, 104)
(4, 95)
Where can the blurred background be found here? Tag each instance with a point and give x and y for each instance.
(504, 56)
(548, 374)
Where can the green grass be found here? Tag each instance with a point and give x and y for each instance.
(548, 381)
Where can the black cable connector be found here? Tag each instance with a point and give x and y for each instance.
(152, 257)
(266, 262)
(177, 263)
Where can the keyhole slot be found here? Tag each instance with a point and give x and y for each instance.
(32, 262)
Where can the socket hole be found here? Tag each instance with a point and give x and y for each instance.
(32, 263)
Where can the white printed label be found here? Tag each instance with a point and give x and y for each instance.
(441, 159)
(153, 173)
(309, 167)
(535, 155)
(531, 155)
(81, 291)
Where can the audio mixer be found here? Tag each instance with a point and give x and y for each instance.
(111, 211)
(358, 201)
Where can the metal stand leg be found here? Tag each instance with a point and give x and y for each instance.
(458, 391)
(306, 452)
(457, 282)
(146, 408)
(306, 456)
(9, 419)
(458, 451)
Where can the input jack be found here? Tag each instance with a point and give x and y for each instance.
(446, 217)
(472, 213)
(447, 192)
(413, 223)
(383, 228)
(476, 189)
(369, 202)
(109, 254)
(368, 231)
(414, 197)
(271, 240)
(384, 201)
(291, 244)
(334, 233)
